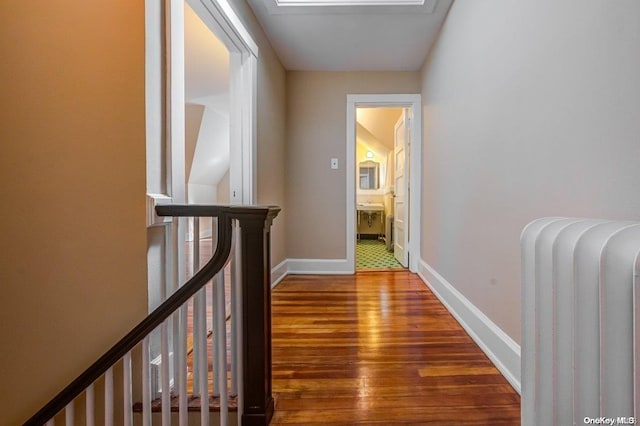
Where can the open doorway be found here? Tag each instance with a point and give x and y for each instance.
(170, 94)
(378, 132)
(216, 97)
(207, 127)
(383, 181)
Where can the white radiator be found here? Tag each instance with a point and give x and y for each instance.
(580, 324)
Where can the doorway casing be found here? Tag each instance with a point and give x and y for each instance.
(165, 94)
(414, 103)
(165, 130)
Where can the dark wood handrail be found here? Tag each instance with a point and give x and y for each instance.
(255, 213)
(252, 214)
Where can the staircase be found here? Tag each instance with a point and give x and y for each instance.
(177, 386)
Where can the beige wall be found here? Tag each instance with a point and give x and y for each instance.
(316, 132)
(192, 121)
(73, 191)
(271, 129)
(531, 109)
(222, 190)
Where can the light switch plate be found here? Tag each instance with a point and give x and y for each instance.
(334, 163)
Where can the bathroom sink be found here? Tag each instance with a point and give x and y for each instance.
(370, 207)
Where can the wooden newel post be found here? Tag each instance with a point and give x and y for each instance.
(258, 402)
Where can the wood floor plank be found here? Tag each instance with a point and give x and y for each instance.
(379, 348)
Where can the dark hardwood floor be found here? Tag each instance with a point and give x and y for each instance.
(379, 348)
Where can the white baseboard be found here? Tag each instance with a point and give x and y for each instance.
(309, 267)
(319, 266)
(278, 272)
(495, 343)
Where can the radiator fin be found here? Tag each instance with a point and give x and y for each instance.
(579, 317)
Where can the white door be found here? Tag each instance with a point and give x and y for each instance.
(402, 136)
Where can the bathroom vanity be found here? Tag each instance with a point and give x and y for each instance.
(370, 217)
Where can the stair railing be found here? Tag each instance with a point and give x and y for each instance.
(245, 231)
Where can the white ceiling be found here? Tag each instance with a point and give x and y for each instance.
(351, 38)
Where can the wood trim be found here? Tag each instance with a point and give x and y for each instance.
(234, 212)
(258, 403)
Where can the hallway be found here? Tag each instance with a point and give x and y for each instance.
(378, 348)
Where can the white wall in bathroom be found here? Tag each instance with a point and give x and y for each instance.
(380, 122)
(373, 125)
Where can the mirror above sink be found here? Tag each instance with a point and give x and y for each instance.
(369, 173)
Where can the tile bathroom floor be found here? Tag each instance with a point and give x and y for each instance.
(373, 255)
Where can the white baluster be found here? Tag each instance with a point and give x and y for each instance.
(196, 343)
(203, 358)
(235, 270)
(197, 331)
(182, 370)
(173, 273)
(196, 245)
(108, 397)
(164, 374)
(127, 397)
(51, 423)
(221, 346)
(69, 414)
(90, 398)
(146, 383)
(169, 329)
(214, 336)
(176, 282)
(237, 323)
(234, 346)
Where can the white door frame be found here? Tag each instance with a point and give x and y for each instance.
(165, 187)
(221, 19)
(165, 129)
(414, 103)
(165, 100)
